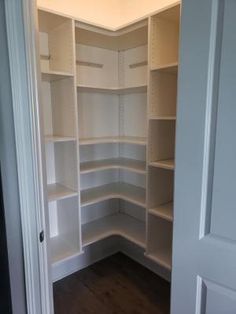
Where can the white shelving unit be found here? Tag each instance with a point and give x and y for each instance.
(112, 102)
(163, 77)
(108, 119)
(60, 128)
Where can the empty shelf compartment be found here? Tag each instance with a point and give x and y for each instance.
(164, 211)
(114, 163)
(57, 192)
(124, 191)
(114, 225)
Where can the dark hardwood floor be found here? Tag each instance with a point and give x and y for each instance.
(115, 285)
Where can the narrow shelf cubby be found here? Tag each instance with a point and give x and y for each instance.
(62, 175)
(110, 218)
(159, 242)
(56, 45)
(64, 229)
(165, 38)
(59, 110)
(163, 95)
(160, 191)
(162, 143)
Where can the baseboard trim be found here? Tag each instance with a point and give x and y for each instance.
(103, 249)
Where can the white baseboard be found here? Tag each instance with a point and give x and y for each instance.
(101, 250)
(92, 254)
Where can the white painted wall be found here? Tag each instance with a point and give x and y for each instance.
(111, 14)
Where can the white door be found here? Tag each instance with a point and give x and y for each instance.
(204, 258)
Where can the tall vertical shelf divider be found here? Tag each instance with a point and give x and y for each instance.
(60, 126)
(162, 95)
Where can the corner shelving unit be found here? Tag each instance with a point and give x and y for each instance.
(163, 76)
(108, 118)
(112, 102)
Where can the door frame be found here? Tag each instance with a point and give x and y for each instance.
(22, 32)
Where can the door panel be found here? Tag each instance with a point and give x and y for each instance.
(204, 257)
(224, 184)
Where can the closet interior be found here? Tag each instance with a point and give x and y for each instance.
(109, 112)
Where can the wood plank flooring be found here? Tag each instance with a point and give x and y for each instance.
(116, 285)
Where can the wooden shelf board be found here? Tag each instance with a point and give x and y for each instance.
(164, 211)
(58, 192)
(114, 225)
(115, 163)
(113, 140)
(113, 90)
(153, 117)
(169, 67)
(124, 191)
(163, 257)
(168, 164)
(61, 250)
(55, 75)
(55, 139)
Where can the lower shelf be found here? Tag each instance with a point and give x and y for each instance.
(124, 191)
(163, 257)
(114, 225)
(61, 249)
(164, 211)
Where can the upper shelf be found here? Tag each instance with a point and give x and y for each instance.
(124, 191)
(115, 163)
(55, 75)
(114, 140)
(168, 67)
(126, 38)
(113, 90)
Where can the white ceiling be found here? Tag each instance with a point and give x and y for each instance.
(111, 14)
